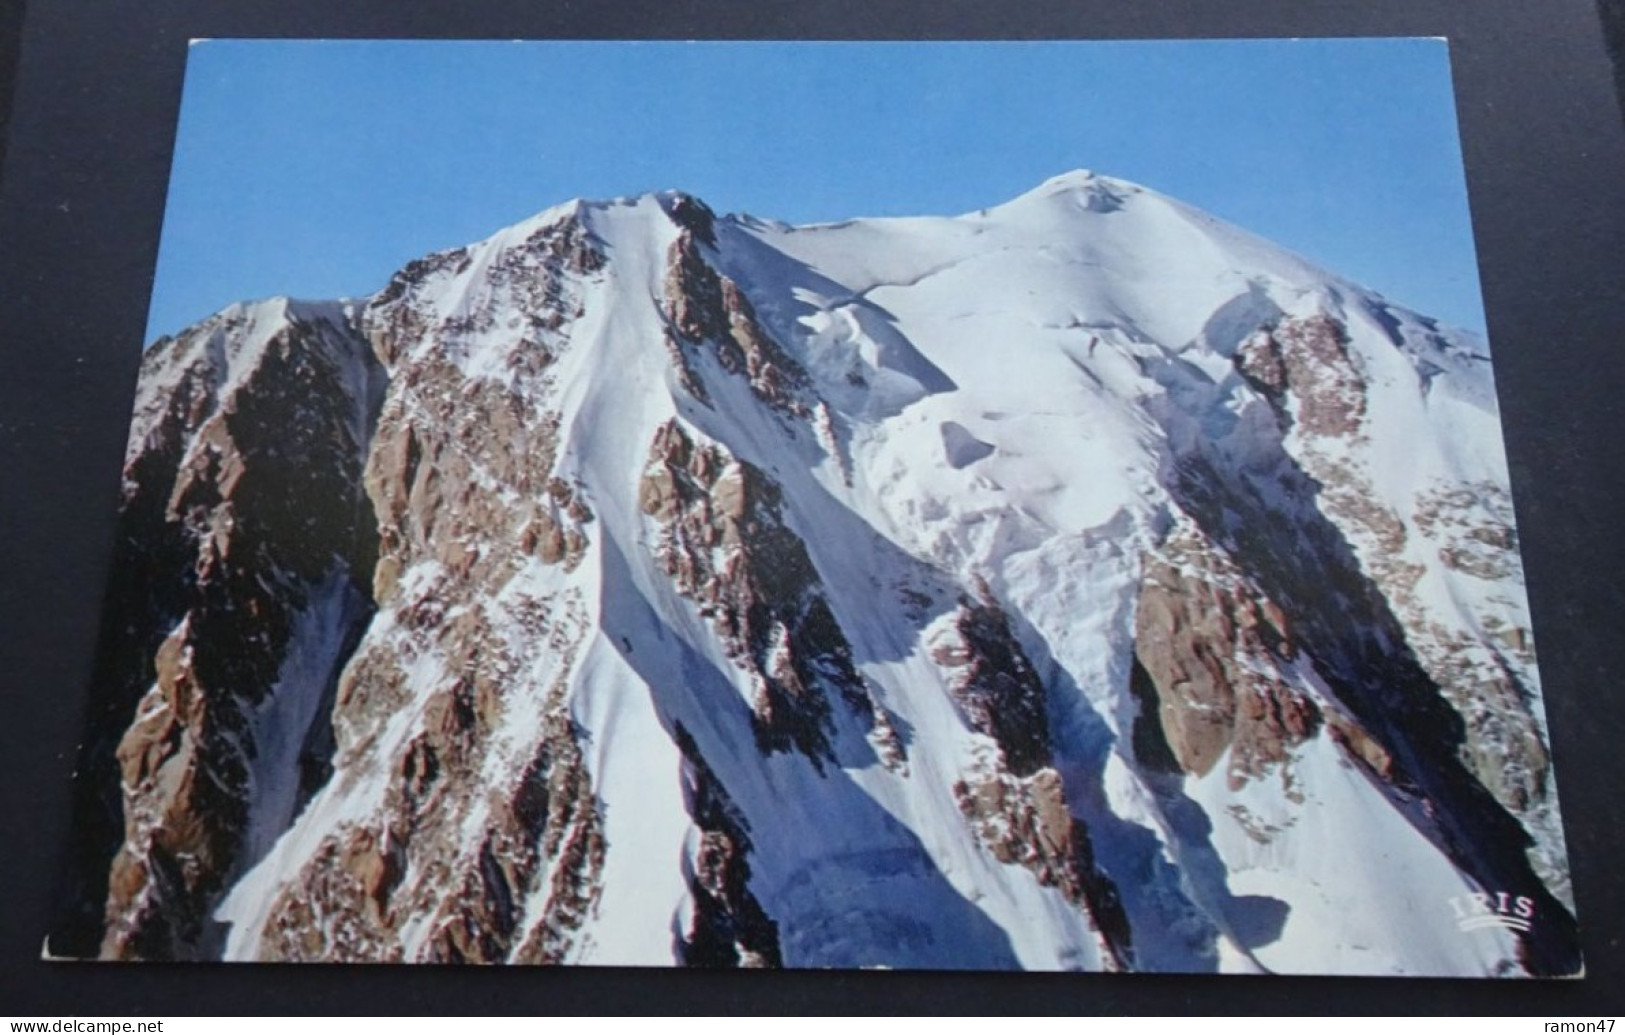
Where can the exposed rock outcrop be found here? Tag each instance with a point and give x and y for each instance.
(724, 542)
(519, 894)
(1025, 821)
(1015, 804)
(1307, 359)
(1312, 382)
(1211, 648)
(241, 504)
(455, 863)
(728, 928)
(708, 311)
(994, 684)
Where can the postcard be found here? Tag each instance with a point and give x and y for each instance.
(1028, 505)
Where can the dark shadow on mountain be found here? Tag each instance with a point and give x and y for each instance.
(829, 529)
(1251, 921)
(1235, 321)
(1173, 929)
(1305, 564)
(1257, 920)
(770, 264)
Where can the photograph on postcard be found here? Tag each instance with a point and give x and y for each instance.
(1025, 505)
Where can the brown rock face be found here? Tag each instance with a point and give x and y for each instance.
(1304, 369)
(1016, 805)
(994, 684)
(1309, 359)
(458, 461)
(1025, 821)
(1472, 526)
(1414, 687)
(1361, 746)
(542, 842)
(464, 481)
(1208, 646)
(726, 546)
(729, 928)
(695, 216)
(261, 479)
(708, 311)
(534, 279)
(273, 492)
(459, 458)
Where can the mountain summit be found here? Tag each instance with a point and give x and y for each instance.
(1080, 583)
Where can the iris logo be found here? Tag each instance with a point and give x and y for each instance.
(1483, 909)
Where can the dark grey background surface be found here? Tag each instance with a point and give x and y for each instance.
(11, 25)
(96, 92)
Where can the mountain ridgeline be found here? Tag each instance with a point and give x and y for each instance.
(1081, 583)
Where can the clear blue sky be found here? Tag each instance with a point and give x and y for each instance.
(315, 169)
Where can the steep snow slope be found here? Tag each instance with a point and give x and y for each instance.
(1078, 583)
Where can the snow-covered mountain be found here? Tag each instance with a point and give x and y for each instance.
(1077, 583)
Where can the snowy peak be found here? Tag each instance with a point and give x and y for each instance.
(192, 377)
(1083, 188)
